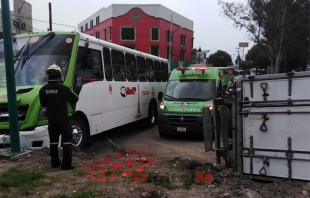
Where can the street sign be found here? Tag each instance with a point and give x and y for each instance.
(243, 44)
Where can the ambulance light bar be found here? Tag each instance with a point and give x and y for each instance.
(183, 69)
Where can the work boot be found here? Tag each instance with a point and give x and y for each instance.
(56, 164)
(68, 167)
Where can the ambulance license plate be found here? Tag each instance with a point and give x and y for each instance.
(181, 129)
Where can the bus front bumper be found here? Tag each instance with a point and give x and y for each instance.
(30, 140)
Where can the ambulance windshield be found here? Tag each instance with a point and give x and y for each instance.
(197, 90)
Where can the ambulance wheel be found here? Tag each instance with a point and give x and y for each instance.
(79, 132)
(151, 119)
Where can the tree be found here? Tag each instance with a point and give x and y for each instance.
(259, 57)
(220, 59)
(269, 22)
(246, 66)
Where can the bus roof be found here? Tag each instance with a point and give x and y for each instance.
(93, 39)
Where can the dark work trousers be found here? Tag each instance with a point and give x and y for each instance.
(60, 125)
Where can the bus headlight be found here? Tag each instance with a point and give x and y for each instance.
(162, 105)
(42, 115)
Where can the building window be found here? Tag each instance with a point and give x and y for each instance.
(105, 34)
(86, 26)
(182, 55)
(110, 33)
(130, 46)
(97, 20)
(192, 44)
(154, 34)
(97, 34)
(183, 40)
(168, 35)
(155, 50)
(91, 23)
(128, 33)
(82, 30)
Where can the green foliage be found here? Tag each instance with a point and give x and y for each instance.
(220, 59)
(259, 55)
(23, 179)
(283, 25)
(6, 196)
(245, 65)
(159, 180)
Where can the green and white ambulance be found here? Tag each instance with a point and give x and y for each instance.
(188, 90)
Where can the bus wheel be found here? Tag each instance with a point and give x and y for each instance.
(151, 120)
(79, 132)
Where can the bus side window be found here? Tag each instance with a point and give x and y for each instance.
(131, 68)
(107, 64)
(157, 71)
(118, 65)
(150, 70)
(89, 65)
(141, 69)
(163, 69)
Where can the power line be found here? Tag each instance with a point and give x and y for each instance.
(43, 21)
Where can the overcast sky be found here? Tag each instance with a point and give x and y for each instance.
(212, 30)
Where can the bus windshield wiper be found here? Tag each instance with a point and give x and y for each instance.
(18, 54)
(39, 44)
(171, 97)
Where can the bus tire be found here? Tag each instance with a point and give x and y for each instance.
(151, 119)
(79, 132)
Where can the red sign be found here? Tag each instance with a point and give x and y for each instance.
(243, 44)
(110, 89)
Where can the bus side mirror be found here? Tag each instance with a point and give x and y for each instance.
(160, 96)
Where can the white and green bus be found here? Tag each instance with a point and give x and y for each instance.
(116, 85)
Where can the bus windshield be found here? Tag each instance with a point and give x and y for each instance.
(38, 54)
(199, 90)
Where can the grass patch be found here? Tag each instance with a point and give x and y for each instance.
(188, 180)
(177, 168)
(6, 196)
(159, 180)
(25, 180)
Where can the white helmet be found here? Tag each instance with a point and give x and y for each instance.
(53, 70)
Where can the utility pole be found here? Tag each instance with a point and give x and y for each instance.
(50, 14)
(10, 79)
(238, 58)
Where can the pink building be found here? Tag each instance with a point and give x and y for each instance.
(144, 27)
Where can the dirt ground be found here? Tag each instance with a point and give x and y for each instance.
(109, 170)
